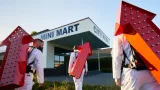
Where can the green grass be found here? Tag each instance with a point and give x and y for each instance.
(65, 85)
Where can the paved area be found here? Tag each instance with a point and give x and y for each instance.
(92, 78)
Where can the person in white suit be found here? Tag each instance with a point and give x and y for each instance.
(129, 79)
(35, 63)
(78, 82)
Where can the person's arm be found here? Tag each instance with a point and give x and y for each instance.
(71, 60)
(39, 67)
(117, 57)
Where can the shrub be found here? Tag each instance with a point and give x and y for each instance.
(65, 85)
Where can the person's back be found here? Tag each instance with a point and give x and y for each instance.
(130, 79)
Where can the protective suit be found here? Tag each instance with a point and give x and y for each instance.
(36, 56)
(131, 79)
(78, 82)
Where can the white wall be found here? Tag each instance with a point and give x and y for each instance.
(50, 55)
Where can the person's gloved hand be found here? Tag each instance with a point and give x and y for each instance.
(118, 82)
(71, 75)
(40, 84)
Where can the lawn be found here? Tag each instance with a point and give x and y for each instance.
(65, 85)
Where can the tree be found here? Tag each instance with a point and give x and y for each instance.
(33, 33)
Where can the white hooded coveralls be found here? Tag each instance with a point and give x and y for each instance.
(78, 82)
(131, 79)
(36, 56)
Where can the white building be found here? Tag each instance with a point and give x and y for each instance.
(58, 43)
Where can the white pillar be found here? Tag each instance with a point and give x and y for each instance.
(82, 41)
(99, 66)
(45, 54)
(49, 54)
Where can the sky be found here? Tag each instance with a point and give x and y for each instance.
(38, 15)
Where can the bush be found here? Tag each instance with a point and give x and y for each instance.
(65, 85)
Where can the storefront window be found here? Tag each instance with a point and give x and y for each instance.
(58, 60)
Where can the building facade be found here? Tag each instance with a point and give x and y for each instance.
(58, 43)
